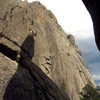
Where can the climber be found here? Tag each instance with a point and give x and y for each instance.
(93, 7)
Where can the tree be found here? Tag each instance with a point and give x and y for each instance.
(89, 93)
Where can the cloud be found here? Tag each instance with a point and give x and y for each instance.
(94, 68)
(83, 34)
(71, 14)
(97, 82)
(90, 53)
(96, 77)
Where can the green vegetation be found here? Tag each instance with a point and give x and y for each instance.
(98, 88)
(89, 93)
(63, 86)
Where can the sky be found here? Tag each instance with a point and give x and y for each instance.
(75, 19)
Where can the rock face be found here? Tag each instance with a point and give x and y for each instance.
(30, 36)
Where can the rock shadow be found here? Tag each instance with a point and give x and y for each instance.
(20, 86)
(29, 82)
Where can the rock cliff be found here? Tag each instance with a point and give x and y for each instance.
(30, 36)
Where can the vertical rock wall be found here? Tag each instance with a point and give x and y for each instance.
(32, 30)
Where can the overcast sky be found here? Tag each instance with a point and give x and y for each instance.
(74, 19)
